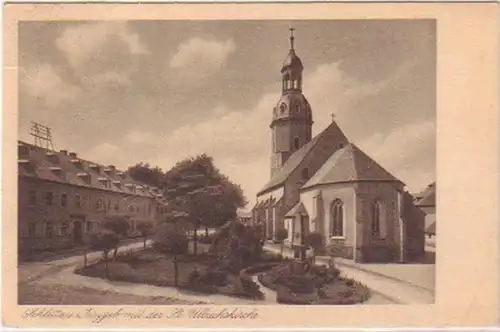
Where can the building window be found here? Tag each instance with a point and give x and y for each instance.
(117, 206)
(337, 216)
(296, 143)
(49, 198)
(64, 200)
(88, 226)
(376, 216)
(63, 230)
(32, 197)
(98, 204)
(78, 201)
(109, 205)
(131, 208)
(137, 209)
(305, 174)
(31, 229)
(49, 229)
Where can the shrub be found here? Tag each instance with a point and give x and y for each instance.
(300, 284)
(246, 287)
(216, 277)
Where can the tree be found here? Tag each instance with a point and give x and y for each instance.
(169, 239)
(196, 187)
(144, 173)
(281, 235)
(104, 241)
(145, 228)
(119, 226)
(315, 240)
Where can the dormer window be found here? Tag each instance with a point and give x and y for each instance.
(56, 170)
(53, 157)
(77, 162)
(95, 168)
(23, 151)
(85, 177)
(117, 183)
(105, 182)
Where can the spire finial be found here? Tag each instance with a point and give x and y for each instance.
(292, 29)
(333, 117)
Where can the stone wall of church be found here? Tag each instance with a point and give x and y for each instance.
(321, 214)
(385, 247)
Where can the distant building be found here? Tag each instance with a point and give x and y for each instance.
(327, 184)
(244, 217)
(426, 201)
(63, 199)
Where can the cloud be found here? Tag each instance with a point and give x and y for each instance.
(138, 137)
(408, 152)
(239, 139)
(84, 42)
(103, 153)
(43, 82)
(197, 58)
(101, 53)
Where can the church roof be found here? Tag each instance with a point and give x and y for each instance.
(296, 158)
(427, 197)
(296, 209)
(292, 61)
(349, 164)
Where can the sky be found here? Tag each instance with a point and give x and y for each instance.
(160, 91)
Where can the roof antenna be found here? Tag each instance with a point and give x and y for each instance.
(42, 135)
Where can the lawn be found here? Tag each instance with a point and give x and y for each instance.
(36, 294)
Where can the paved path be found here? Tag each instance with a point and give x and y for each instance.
(62, 272)
(382, 279)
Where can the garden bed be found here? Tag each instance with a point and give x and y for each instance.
(319, 285)
(199, 273)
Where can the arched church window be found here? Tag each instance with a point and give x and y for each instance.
(337, 218)
(305, 174)
(376, 217)
(296, 143)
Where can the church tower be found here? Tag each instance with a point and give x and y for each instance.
(291, 124)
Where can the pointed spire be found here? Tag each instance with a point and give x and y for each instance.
(292, 38)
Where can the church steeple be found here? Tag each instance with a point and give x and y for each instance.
(292, 117)
(292, 38)
(291, 70)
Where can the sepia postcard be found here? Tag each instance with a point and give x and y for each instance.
(250, 165)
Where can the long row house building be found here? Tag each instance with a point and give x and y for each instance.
(63, 199)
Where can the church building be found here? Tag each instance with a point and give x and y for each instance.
(327, 184)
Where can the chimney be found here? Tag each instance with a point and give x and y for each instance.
(73, 155)
(64, 152)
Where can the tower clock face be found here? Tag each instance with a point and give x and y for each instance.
(283, 108)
